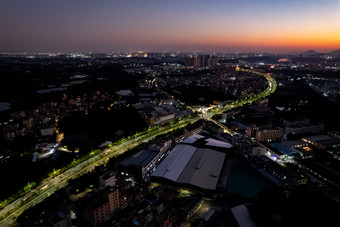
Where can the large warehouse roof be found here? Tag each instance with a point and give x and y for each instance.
(203, 169)
(173, 165)
(186, 164)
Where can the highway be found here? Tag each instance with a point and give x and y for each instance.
(49, 186)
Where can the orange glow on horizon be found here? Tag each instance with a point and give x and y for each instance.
(322, 41)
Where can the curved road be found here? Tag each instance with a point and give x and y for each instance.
(49, 186)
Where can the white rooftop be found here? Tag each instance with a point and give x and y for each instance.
(173, 165)
(186, 164)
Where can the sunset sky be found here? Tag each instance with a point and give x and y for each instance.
(175, 25)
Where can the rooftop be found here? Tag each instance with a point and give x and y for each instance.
(206, 142)
(192, 139)
(284, 149)
(293, 143)
(217, 143)
(317, 138)
(124, 93)
(203, 169)
(324, 140)
(141, 159)
(187, 164)
(174, 164)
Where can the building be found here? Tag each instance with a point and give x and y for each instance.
(157, 206)
(196, 62)
(282, 152)
(99, 205)
(160, 116)
(322, 141)
(296, 123)
(203, 61)
(201, 141)
(108, 179)
(295, 143)
(112, 194)
(227, 115)
(48, 131)
(162, 146)
(267, 135)
(189, 205)
(191, 166)
(212, 127)
(253, 128)
(257, 151)
(277, 173)
(187, 132)
(145, 215)
(208, 61)
(123, 201)
(97, 208)
(308, 129)
(141, 164)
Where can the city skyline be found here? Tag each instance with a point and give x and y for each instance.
(217, 26)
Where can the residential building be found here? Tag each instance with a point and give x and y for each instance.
(112, 194)
(267, 135)
(97, 208)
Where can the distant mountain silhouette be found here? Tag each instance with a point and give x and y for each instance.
(314, 54)
(309, 53)
(334, 52)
